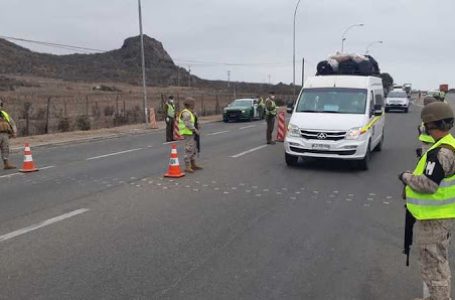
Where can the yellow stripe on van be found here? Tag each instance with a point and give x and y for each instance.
(371, 123)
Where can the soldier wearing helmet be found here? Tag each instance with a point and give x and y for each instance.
(7, 130)
(426, 141)
(430, 199)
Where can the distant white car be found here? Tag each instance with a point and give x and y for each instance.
(397, 100)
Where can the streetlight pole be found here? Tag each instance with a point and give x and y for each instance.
(371, 44)
(293, 47)
(144, 87)
(343, 37)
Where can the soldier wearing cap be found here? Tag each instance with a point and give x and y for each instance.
(270, 115)
(430, 198)
(169, 109)
(188, 130)
(7, 130)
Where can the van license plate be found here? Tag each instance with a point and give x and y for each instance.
(321, 146)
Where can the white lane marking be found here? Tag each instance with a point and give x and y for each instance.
(246, 127)
(19, 173)
(48, 222)
(167, 143)
(10, 175)
(248, 151)
(48, 167)
(219, 132)
(116, 153)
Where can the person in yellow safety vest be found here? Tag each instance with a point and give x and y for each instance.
(169, 109)
(261, 107)
(426, 140)
(439, 96)
(188, 130)
(430, 198)
(8, 130)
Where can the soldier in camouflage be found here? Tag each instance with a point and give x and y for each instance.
(188, 130)
(433, 235)
(7, 130)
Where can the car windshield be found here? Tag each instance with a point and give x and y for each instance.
(333, 100)
(397, 95)
(239, 103)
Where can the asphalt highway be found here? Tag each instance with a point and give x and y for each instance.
(99, 221)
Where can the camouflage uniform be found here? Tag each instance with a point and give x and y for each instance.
(433, 236)
(190, 143)
(7, 129)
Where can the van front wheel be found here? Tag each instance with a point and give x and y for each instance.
(363, 164)
(291, 160)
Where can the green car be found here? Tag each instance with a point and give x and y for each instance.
(241, 110)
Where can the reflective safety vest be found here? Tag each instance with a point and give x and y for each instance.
(183, 130)
(170, 110)
(423, 137)
(441, 204)
(273, 110)
(5, 116)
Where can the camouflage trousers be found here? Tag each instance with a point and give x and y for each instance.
(190, 149)
(433, 238)
(4, 145)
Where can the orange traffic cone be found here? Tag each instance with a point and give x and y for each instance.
(177, 135)
(28, 165)
(174, 166)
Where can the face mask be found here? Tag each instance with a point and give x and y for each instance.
(272, 97)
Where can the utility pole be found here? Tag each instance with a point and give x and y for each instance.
(189, 76)
(303, 70)
(144, 87)
(269, 78)
(229, 78)
(178, 76)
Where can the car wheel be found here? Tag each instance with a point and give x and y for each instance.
(406, 110)
(386, 110)
(291, 160)
(363, 164)
(379, 146)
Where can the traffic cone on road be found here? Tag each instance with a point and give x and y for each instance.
(174, 166)
(28, 165)
(281, 126)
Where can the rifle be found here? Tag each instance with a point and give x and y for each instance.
(197, 137)
(408, 233)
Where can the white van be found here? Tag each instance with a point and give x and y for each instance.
(337, 116)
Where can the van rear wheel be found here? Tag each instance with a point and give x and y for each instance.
(291, 160)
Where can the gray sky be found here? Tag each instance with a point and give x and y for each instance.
(418, 35)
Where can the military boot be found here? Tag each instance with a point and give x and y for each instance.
(188, 168)
(194, 166)
(7, 165)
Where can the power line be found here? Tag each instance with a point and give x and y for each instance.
(56, 45)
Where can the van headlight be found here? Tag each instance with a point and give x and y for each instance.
(243, 111)
(293, 130)
(355, 133)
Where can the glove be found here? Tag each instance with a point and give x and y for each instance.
(419, 152)
(401, 176)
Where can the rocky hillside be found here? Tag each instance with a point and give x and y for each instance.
(120, 65)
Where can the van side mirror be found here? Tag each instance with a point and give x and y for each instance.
(377, 110)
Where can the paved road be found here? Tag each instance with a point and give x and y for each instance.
(101, 223)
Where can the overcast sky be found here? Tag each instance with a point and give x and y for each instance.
(418, 35)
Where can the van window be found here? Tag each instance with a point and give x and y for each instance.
(333, 100)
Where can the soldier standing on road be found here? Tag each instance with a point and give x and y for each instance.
(426, 141)
(261, 107)
(430, 198)
(188, 130)
(7, 130)
(169, 108)
(270, 115)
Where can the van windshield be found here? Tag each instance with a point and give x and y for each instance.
(333, 100)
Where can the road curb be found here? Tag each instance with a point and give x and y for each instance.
(97, 138)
